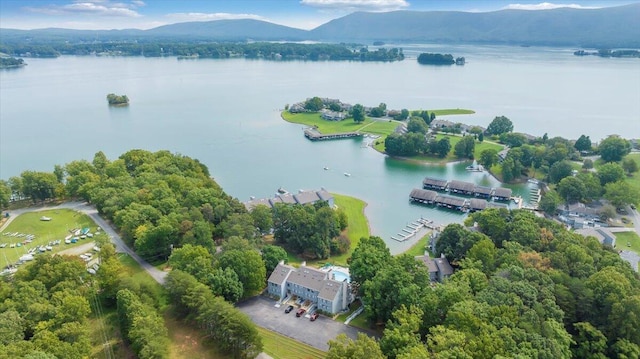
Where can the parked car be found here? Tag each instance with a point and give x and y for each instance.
(300, 312)
(289, 309)
(314, 316)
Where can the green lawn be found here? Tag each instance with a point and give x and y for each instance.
(324, 126)
(452, 111)
(419, 247)
(281, 347)
(358, 224)
(628, 241)
(634, 180)
(140, 276)
(62, 220)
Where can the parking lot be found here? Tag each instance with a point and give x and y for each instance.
(263, 312)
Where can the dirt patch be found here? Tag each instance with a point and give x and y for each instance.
(78, 250)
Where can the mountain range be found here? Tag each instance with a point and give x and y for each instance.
(612, 27)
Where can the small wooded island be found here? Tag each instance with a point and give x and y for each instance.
(11, 62)
(115, 100)
(439, 59)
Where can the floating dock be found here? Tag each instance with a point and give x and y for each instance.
(412, 229)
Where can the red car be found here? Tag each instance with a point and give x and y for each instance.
(300, 312)
(314, 316)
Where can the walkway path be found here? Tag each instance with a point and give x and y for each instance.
(83, 207)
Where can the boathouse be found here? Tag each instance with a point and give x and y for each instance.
(461, 187)
(313, 135)
(476, 204)
(502, 194)
(434, 184)
(450, 202)
(423, 196)
(482, 191)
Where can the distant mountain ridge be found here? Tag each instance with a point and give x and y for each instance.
(612, 27)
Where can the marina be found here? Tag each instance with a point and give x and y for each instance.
(413, 228)
(313, 135)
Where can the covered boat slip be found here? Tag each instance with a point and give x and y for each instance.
(466, 189)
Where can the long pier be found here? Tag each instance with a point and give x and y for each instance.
(412, 229)
(313, 135)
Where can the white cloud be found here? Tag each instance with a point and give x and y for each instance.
(199, 16)
(351, 5)
(91, 7)
(546, 6)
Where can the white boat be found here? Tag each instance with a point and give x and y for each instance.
(347, 174)
(326, 168)
(45, 218)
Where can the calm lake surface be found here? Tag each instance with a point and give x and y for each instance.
(226, 114)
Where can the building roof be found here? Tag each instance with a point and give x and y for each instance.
(423, 194)
(461, 186)
(280, 274)
(483, 190)
(251, 204)
(477, 204)
(502, 192)
(449, 200)
(305, 197)
(324, 195)
(287, 198)
(308, 277)
(603, 235)
(443, 266)
(434, 182)
(428, 262)
(330, 289)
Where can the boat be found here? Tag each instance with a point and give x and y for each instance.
(45, 218)
(326, 168)
(347, 174)
(282, 191)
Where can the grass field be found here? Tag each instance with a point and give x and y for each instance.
(281, 347)
(452, 111)
(419, 247)
(324, 126)
(634, 180)
(62, 220)
(628, 241)
(358, 224)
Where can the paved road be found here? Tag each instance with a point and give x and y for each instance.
(83, 207)
(263, 312)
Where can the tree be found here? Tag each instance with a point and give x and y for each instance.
(195, 260)
(621, 193)
(402, 332)
(630, 165)
(379, 111)
(549, 202)
(225, 283)
(583, 143)
(5, 194)
(571, 189)
(357, 111)
(364, 347)
(613, 148)
(559, 170)
(499, 125)
(455, 241)
(488, 157)
(417, 125)
(443, 147)
(587, 164)
(606, 212)
(12, 327)
(262, 218)
(465, 147)
(610, 172)
(481, 137)
(38, 185)
(248, 266)
(314, 104)
(513, 139)
(271, 256)
(370, 256)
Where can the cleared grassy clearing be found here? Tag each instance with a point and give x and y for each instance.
(452, 111)
(281, 347)
(419, 247)
(62, 220)
(324, 126)
(188, 342)
(628, 241)
(358, 224)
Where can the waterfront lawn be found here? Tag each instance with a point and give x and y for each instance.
(62, 220)
(380, 127)
(630, 238)
(281, 347)
(634, 180)
(358, 225)
(452, 111)
(419, 247)
(313, 119)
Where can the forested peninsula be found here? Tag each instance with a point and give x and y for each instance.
(11, 62)
(216, 50)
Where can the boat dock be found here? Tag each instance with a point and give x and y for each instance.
(313, 135)
(412, 229)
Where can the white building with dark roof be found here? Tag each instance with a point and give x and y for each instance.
(302, 197)
(318, 287)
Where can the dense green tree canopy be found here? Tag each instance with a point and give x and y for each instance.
(614, 148)
(499, 125)
(583, 143)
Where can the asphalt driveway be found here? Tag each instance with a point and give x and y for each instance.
(263, 312)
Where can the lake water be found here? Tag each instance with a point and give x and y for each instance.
(226, 114)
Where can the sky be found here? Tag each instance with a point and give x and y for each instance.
(303, 14)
